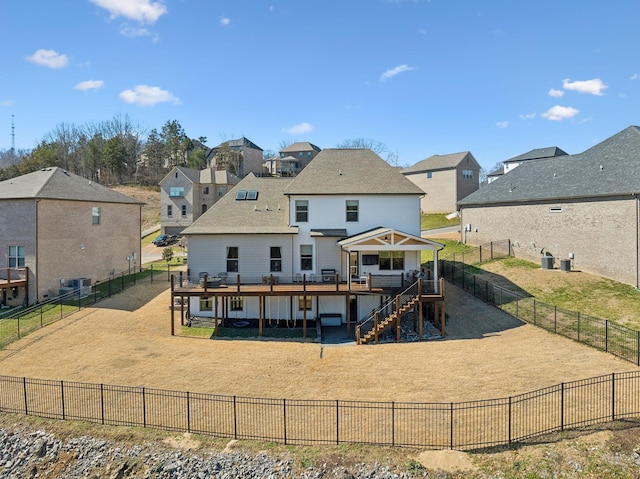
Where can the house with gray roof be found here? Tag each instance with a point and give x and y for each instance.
(535, 154)
(348, 223)
(584, 208)
(244, 155)
(58, 229)
(302, 152)
(444, 180)
(186, 193)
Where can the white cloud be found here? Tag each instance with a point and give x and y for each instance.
(635, 76)
(395, 71)
(592, 87)
(133, 32)
(49, 58)
(556, 93)
(89, 85)
(224, 21)
(143, 11)
(558, 113)
(527, 116)
(6, 103)
(502, 124)
(299, 129)
(145, 95)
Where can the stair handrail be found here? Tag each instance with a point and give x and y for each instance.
(386, 309)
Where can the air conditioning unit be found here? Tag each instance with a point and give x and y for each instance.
(82, 284)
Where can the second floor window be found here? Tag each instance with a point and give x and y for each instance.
(206, 190)
(276, 259)
(352, 210)
(302, 211)
(16, 257)
(232, 259)
(176, 191)
(306, 257)
(169, 210)
(390, 260)
(467, 174)
(429, 175)
(184, 210)
(95, 215)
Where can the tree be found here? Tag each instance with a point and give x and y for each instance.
(167, 254)
(228, 159)
(377, 147)
(176, 143)
(115, 156)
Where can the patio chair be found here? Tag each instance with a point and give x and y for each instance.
(223, 277)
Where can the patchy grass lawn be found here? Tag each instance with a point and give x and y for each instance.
(430, 221)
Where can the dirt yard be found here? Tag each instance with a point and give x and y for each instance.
(126, 340)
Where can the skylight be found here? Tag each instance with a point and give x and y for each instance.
(241, 195)
(252, 195)
(249, 195)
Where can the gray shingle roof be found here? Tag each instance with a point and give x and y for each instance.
(300, 146)
(56, 183)
(439, 162)
(538, 153)
(610, 168)
(269, 214)
(338, 171)
(240, 142)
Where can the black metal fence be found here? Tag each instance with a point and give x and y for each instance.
(599, 333)
(462, 425)
(18, 323)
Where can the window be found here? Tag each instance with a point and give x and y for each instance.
(352, 210)
(176, 191)
(16, 256)
(169, 210)
(306, 257)
(276, 259)
(304, 302)
(309, 154)
(302, 211)
(232, 259)
(467, 174)
(206, 303)
(204, 208)
(236, 303)
(206, 190)
(391, 260)
(95, 215)
(300, 155)
(252, 195)
(241, 195)
(429, 175)
(184, 210)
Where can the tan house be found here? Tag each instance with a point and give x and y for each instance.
(245, 155)
(58, 230)
(185, 194)
(298, 155)
(582, 211)
(445, 180)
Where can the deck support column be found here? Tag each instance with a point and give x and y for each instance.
(260, 316)
(215, 315)
(348, 314)
(444, 331)
(172, 311)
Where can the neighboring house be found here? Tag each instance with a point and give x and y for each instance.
(445, 180)
(246, 155)
(348, 216)
(584, 208)
(283, 167)
(185, 194)
(537, 154)
(303, 152)
(59, 230)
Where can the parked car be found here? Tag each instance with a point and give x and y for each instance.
(162, 240)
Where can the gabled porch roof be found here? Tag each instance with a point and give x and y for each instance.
(388, 239)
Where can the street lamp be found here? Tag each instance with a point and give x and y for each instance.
(129, 258)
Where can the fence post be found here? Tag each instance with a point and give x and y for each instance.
(578, 327)
(79, 299)
(235, 419)
(284, 419)
(638, 348)
(491, 245)
(62, 398)
(393, 423)
(24, 391)
(41, 316)
(509, 419)
(562, 406)
(480, 253)
(337, 422)
(144, 408)
(451, 424)
(613, 396)
(555, 319)
(102, 403)
(188, 413)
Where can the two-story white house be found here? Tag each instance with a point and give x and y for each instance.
(331, 244)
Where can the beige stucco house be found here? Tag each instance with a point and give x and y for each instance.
(245, 154)
(445, 180)
(57, 227)
(584, 208)
(185, 194)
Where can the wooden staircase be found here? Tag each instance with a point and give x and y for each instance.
(391, 320)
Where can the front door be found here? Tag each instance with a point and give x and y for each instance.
(354, 270)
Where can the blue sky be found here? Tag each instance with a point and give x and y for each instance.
(423, 77)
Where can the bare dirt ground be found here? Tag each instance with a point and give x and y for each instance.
(150, 197)
(126, 340)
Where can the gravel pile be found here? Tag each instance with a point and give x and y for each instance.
(38, 454)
